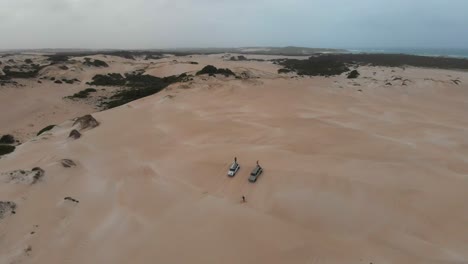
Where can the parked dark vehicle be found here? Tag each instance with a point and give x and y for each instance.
(255, 173)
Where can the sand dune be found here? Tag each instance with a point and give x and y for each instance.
(355, 171)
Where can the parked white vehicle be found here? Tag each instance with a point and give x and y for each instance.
(234, 168)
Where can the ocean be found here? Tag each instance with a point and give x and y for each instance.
(455, 53)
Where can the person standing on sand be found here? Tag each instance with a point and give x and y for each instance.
(243, 198)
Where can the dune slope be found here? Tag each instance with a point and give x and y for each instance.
(355, 171)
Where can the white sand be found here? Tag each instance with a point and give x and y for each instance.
(378, 175)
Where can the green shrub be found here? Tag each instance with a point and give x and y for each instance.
(284, 70)
(315, 66)
(353, 74)
(5, 149)
(7, 139)
(111, 79)
(141, 85)
(45, 129)
(58, 58)
(95, 63)
(212, 70)
(152, 57)
(82, 94)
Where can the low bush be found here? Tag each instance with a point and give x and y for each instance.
(45, 129)
(315, 66)
(353, 74)
(82, 94)
(95, 63)
(111, 79)
(7, 139)
(5, 149)
(284, 70)
(212, 70)
(56, 58)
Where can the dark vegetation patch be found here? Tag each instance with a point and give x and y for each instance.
(68, 198)
(4, 80)
(335, 64)
(63, 67)
(284, 70)
(140, 86)
(238, 58)
(29, 61)
(212, 70)
(110, 79)
(315, 66)
(58, 81)
(7, 207)
(82, 94)
(6, 149)
(64, 56)
(69, 81)
(353, 74)
(7, 139)
(153, 57)
(57, 58)
(25, 71)
(45, 129)
(193, 62)
(134, 85)
(95, 63)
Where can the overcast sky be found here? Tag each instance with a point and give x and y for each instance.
(233, 23)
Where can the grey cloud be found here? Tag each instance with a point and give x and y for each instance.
(208, 23)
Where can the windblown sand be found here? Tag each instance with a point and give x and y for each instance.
(355, 171)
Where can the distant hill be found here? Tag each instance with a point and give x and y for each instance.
(288, 51)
